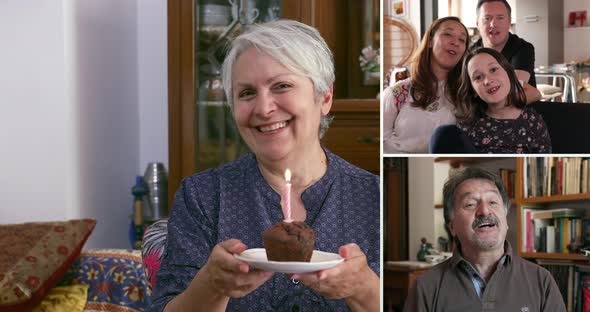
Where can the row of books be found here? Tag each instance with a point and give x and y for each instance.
(547, 176)
(573, 281)
(559, 230)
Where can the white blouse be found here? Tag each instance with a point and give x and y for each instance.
(407, 129)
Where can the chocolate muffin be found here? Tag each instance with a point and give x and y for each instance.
(289, 241)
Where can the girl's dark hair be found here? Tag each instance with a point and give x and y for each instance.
(424, 84)
(470, 106)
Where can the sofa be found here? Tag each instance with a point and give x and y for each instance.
(568, 125)
(43, 267)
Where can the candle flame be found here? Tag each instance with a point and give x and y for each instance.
(288, 175)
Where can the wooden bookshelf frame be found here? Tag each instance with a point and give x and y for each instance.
(559, 256)
(555, 198)
(521, 201)
(457, 161)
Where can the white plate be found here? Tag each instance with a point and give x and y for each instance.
(320, 260)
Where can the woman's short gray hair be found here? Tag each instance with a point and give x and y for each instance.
(297, 46)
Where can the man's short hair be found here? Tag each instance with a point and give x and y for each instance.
(481, 2)
(466, 174)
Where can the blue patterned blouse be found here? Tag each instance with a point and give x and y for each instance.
(234, 201)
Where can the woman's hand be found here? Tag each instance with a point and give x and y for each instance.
(228, 276)
(352, 280)
(222, 277)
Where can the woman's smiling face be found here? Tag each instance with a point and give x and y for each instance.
(276, 111)
(489, 79)
(448, 45)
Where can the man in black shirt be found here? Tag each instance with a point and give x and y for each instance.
(493, 23)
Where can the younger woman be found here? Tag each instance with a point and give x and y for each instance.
(415, 106)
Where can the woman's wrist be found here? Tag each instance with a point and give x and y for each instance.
(199, 296)
(367, 298)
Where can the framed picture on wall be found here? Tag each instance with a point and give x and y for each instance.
(399, 8)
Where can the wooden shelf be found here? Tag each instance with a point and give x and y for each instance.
(543, 255)
(456, 161)
(554, 198)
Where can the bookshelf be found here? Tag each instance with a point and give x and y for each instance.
(553, 197)
(547, 202)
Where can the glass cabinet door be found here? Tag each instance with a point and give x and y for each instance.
(217, 21)
(201, 129)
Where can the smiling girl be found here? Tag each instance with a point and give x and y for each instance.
(497, 119)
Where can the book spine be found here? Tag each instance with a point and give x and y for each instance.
(550, 239)
(566, 235)
(560, 176)
(528, 231)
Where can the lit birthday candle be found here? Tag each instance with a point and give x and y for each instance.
(288, 195)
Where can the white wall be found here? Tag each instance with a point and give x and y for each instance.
(153, 82)
(441, 174)
(36, 131)
(537, 23)
(412, 16)
(420, 203)
(83, 109)
(576, 40)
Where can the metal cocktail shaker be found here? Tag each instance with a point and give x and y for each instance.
(156, 179)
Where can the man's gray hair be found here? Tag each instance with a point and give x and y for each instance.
(297, 46)
(466, 174)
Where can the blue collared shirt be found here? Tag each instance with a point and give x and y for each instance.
(234, 201)
(478, 282)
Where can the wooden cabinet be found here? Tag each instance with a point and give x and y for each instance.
(354, 133)
(400, 277)
(347, 26)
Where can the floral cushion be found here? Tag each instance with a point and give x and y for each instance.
(35, 256)
(153, 249)
(115, 278)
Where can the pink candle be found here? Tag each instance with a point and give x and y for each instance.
(288, 195)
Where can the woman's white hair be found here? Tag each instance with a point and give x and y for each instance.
(297, 46)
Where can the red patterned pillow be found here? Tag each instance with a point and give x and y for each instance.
(35, 256)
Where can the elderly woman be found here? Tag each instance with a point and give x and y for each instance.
(278, 78)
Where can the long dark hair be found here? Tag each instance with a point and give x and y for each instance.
(472, 106)
(424, 83)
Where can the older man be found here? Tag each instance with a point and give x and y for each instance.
(484, 273)
(493, 23)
